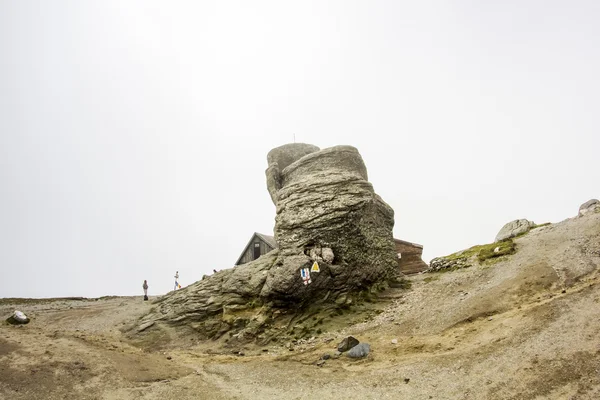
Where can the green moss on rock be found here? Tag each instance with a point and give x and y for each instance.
(487, 253)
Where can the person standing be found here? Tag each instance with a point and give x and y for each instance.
(176, 280)
(145, 287)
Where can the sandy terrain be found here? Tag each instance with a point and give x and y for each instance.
(524, 328)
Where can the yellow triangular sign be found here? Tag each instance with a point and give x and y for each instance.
(315, 267)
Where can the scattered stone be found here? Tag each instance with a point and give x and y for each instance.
(490, 318)
(443, 263)
(406, 380)
(320, 363)
(18, 318)
(169, 358)
(394, 341)
(514, 228)
(265, 350)
(589, 206)
(337, 354)
(359, 351)
(241, 353)
(346, 344)
(325, 356)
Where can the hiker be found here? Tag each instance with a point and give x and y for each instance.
(145, 287)
(176, 280)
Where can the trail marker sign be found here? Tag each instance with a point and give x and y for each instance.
(315, 267)
(305, 274)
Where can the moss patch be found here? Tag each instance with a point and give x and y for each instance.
(493, 250)
(487, 253)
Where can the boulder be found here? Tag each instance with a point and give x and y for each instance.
(347, 343)
(18, 318)
(326, 211)
(514, 228)
(359, 351)
(589, 206)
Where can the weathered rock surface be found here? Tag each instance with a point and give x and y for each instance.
(359, 351)
(279, 158)
(347, 343)
(514, 228)
(444, 263)
(327, 212)
(325, 201)
(589, 206)
(18, 318)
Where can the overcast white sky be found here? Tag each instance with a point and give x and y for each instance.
(133, 135)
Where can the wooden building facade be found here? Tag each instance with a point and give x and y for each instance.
(258, 245)
(409, 257)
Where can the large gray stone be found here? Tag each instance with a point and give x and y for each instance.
(514, 228)
(589, 206)
(359, 351)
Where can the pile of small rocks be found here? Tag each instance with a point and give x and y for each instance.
(349, 345)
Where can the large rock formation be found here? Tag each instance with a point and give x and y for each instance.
(324, 201)
(328, 214)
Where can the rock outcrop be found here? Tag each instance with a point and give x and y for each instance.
(514, 228)
(325, 203)
(335, 240)
(589, 206)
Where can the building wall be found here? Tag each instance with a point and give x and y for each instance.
(249, 253)
(410, 261)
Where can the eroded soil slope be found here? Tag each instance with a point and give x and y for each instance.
(525, 327)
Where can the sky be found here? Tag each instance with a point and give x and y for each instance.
(134, 135)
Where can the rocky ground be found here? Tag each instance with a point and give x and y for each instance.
(522, 327)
